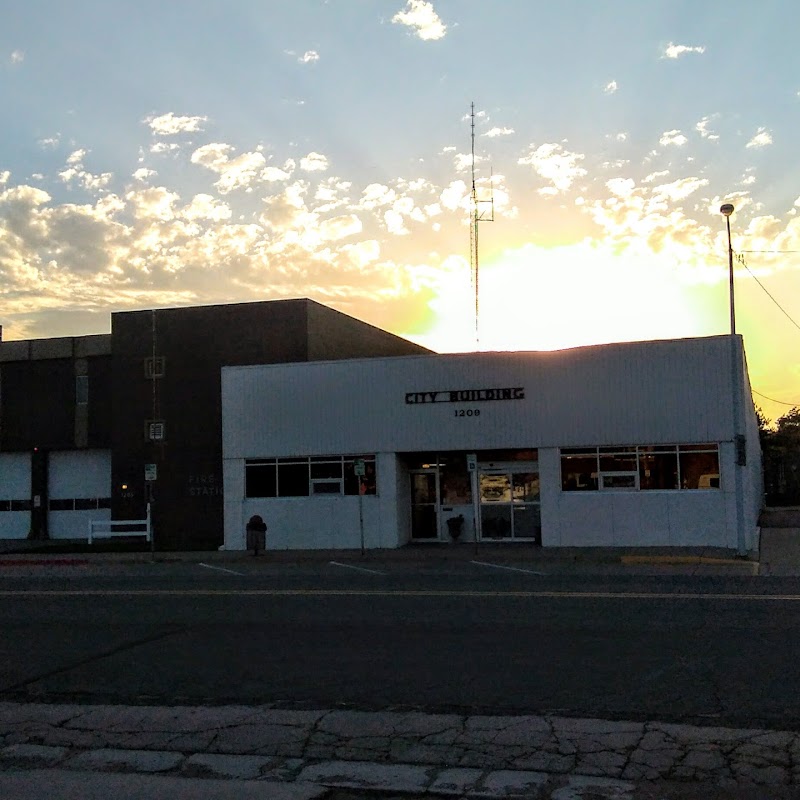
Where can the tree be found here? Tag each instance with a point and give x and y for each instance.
(781, 457)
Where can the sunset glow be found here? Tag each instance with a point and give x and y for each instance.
(320, 149)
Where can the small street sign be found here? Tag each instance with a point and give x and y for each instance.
(150, 472)
(359, 468)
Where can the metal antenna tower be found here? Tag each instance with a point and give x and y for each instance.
(478, 213)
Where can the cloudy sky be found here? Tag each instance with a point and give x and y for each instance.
(160, 154)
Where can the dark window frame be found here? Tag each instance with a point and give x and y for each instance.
(611, 456)
(340, 470)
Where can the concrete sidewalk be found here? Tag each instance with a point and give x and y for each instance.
(15, 550)
(313, 751)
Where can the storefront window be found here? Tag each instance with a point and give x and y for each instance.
(326, 469)
(495, 489)
(658, 469)
(367, 484)
(301, 477)
(578, 470)
(525, 487)
(260, 480)
(699, 469)
(455, 484)
(643, 467)
(292, 478)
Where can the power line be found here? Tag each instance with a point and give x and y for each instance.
(740, 259)
(773, 400)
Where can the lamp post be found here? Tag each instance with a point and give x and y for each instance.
(739, 442)
(726, 210)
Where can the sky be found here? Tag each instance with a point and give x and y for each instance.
(160, 154)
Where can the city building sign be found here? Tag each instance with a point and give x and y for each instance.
(465, 396)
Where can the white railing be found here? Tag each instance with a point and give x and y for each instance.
(104, 528)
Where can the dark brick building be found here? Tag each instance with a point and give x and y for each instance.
(80, 417)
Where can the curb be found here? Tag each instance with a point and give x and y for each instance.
(684, 560)
(313, 778)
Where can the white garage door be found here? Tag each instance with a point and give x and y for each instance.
(79, 490)
(15, 495)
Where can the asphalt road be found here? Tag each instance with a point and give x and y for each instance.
(709, 650)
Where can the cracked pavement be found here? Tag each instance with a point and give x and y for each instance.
(406, 752)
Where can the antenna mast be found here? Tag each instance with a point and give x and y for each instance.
(476, 216)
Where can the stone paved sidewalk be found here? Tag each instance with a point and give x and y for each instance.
(444, 754)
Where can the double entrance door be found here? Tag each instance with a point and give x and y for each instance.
(507, 507)
(510, 505)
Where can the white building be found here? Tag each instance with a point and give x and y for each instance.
(632, 444)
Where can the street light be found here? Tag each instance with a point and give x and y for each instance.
(739, 441)
(726, 210)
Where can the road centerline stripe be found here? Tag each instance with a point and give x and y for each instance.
(361, 569)
(511, 569)
(221, 569)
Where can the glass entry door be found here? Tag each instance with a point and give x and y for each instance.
(424, 504)
(510, 505)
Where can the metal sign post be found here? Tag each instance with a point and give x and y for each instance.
(150, 477)
(472, 468)
(360, 469)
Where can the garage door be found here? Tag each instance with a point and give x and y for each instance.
(79, 488)
(15, 495)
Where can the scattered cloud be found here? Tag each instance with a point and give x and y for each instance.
(454, 196)
(314, 162)
(309, 57)
(748, 180)
(76, 173)
(143, 173)
(340, 227)
(395, 223)
(702, 128)
(674, 137)
(555, 164)
(494, 132)
(678, 50)
(422, 18)
(234, 173)
(164, 147)
(206, 207)
(463, 161)
(653, 176)
(51, 142)
(17, 57)
(610, 87)
(680, 189)
(621, 187)
(4, 176)
(762, 138)
(332, 194)
(170, 124)
(376, 195)
(272, 174)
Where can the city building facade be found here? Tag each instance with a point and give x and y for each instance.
(632, 444)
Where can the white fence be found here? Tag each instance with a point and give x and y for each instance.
(105, 528)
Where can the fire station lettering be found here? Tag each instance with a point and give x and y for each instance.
(465, 395)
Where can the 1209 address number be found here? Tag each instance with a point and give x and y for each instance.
(467, 412)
